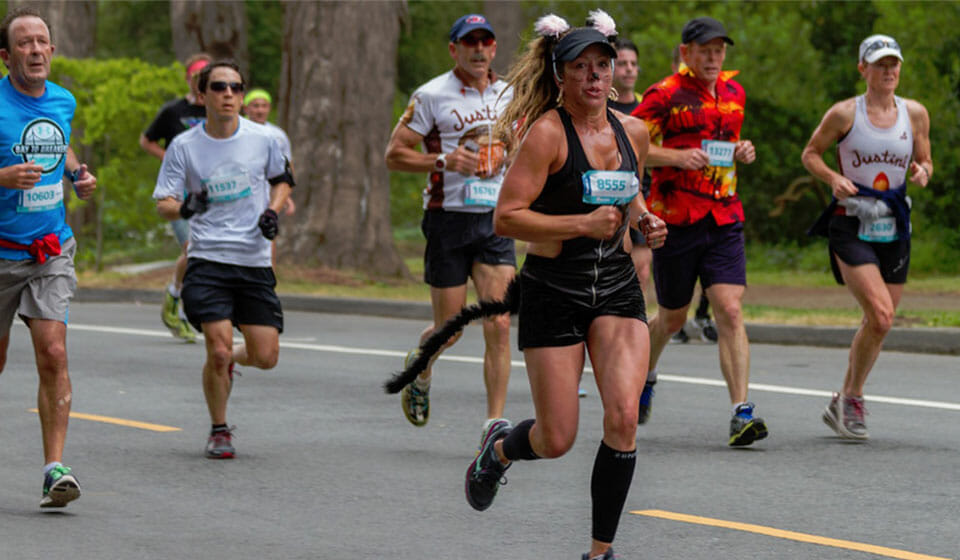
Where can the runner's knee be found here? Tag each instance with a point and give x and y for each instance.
(554, 440)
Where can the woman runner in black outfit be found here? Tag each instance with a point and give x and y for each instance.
(571, 193)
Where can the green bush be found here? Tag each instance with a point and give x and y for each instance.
(116, 100)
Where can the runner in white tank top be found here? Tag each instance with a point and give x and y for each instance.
(882, 141)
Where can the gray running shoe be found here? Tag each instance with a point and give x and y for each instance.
(485, 473)
(681, 337)
(608, 555)
(220, 445)
(845, 416)
(745, 428)
(415, 401)
(60, 487)
(708, 331)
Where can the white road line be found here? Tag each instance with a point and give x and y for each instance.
(762, 387)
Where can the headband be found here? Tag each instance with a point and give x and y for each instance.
(257, 94)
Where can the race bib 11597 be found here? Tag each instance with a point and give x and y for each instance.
(228, 187)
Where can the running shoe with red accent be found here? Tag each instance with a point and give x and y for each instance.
(845, 415)
(220, 444)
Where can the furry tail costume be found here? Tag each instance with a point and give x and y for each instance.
(432, 345)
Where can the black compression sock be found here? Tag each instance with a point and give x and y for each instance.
(612, 473)
(517, 443)
(219, 428)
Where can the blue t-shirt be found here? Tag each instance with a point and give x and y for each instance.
(34, 128)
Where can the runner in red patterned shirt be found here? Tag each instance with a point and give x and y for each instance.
(695, 116)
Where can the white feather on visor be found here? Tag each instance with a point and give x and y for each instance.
(602, 22)
(551, 25)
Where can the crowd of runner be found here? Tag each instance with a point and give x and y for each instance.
(606, 187)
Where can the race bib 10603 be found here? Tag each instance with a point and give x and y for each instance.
(610, 187)
(719, 152)
(41, 198)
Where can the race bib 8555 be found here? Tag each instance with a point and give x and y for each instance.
(610, 187)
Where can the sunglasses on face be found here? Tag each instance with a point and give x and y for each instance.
(235, 87)
(880, 44)
(472, 41)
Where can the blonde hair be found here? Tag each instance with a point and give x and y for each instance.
(534, 90)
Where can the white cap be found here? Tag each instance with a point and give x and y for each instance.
(875, 47)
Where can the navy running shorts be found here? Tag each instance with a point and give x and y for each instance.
(558, 302)
(714, 254)
(455, 240)
(245, 295)
(893, 258)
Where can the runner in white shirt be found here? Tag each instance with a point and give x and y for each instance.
(882, 141)
(452, 117)
(236, 180)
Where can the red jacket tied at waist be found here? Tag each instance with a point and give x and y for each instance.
(40, 249)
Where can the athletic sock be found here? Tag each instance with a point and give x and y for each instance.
(612, 473)
(50, 466)
(516, 446)
(652, 376)
(173, 291)
(421, 384)
(217, 428)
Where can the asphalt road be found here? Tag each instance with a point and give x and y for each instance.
(328, 468)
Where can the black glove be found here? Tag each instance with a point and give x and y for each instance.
(195, 203)
(269, 224)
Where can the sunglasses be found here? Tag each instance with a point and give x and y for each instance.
(235, 87)
(472, 41)
(879, 44)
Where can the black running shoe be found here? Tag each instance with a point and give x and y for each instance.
(485, 473)
(608, 555)
(745, 428)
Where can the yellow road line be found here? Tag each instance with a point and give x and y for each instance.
(121, 422)
(790, 535)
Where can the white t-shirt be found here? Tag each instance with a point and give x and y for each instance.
(282, 138)
(234, 172)
(448, 113)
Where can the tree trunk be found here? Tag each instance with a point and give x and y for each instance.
(509, 20)
(336, 97)
(72, 24)
(216, 28)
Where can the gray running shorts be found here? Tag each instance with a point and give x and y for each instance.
(35, 291)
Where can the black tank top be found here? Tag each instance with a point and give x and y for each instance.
(563, 192)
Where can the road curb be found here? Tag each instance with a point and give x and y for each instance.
(918, 340)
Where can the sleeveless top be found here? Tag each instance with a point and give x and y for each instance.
(876, 157)
(563, 193)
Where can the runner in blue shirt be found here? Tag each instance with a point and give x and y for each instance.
(37, 248)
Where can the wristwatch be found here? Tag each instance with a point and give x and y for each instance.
(441, 162)
(74, 175)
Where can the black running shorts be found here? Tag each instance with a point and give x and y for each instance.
(558, 303)
(455, 240)
(893, 258)
(245, 295)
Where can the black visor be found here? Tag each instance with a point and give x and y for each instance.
(576, 41)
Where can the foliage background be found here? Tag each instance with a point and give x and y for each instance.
(795, 60)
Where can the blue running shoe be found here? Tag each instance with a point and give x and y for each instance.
(646, 402)
(745, 428)
(485, 473)
(60, 487)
